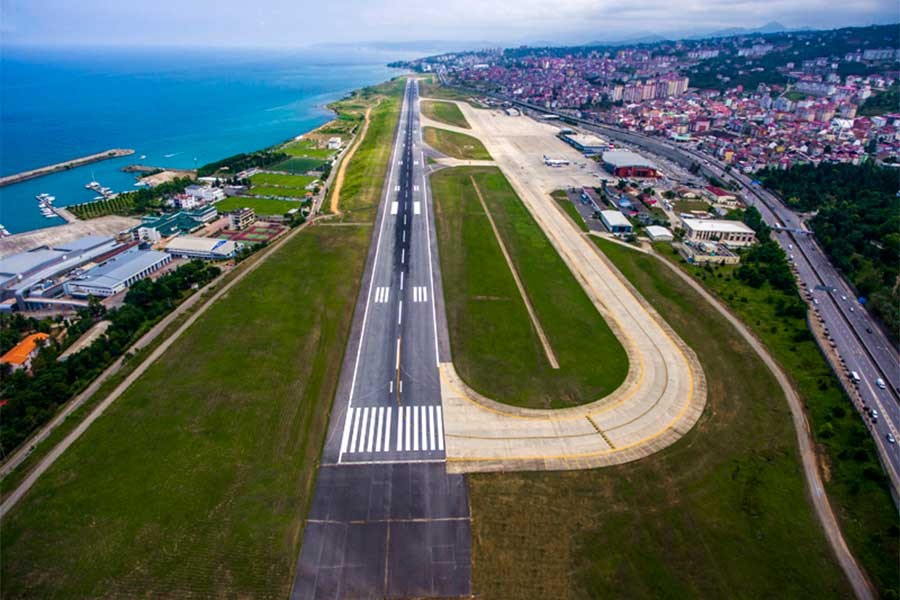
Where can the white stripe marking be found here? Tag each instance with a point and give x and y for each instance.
(415, 427)
(417, 207)
(346, 435)
(406, 445)
(403, 256)
(371, 431)
(431, 445)
(362, 429)
(387, 430)
(355, 429)
(425, 428)
(378, 429)
(400, 428)
(440, 429)
(400, 313)
(394, 207)
(401, 280)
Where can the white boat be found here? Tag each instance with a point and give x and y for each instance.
(93, 185)
(143, 156)
(3, 231)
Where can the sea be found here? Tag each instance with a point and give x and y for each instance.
(176, 107)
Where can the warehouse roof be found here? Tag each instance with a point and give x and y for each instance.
(119, 268)
(198, 244)
(25, 262)
(626, 158)
(615, 219)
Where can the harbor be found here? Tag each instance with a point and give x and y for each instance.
(65, 165)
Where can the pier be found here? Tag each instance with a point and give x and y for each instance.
(62, 166)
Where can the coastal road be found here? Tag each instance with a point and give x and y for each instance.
(387, 520)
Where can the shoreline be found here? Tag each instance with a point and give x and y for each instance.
(64, 166)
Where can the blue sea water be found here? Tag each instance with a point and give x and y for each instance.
(179, 107)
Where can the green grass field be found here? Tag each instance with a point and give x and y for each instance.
(444, 112)
(457, 145)
(298, 165)
(307, 149)
(277, 192)
(856, 482)
(434, 90)
(279, 179)
(195, 483)
(262, 206)
(720, 514)
(495, 348)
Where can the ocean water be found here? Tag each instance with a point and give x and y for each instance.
(179, 107)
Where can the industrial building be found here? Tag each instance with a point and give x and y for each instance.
(586, 143)
(37, 273)
(624, 163)
(202, 248)
(117, 274)
(733, 234)
(615, 222)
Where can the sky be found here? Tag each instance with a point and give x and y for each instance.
(297, 23)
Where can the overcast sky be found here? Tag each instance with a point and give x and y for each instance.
(291, 23)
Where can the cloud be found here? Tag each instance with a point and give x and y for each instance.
(304, 22)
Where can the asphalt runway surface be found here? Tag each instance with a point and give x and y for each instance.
(387, 520)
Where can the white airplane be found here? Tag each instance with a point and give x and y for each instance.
(555, 162)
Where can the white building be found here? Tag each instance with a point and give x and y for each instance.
(241, 218)
(334, 143)
(203, 248)
(733, 234)
(204, 193)
(615, 222)
(659, 234)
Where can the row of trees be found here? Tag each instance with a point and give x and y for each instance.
(31, 400)
(857, 223)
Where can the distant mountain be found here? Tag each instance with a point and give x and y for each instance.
(772, 27)
(644, 39)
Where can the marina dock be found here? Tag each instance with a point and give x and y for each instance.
(62, 166)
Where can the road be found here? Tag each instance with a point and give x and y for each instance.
(387, 520)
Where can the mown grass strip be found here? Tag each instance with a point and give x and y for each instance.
(444, 112)
(456, 145)
(494, 348)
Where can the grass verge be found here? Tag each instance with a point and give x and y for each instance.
(495, 348)
(457, 145)
(855, 481)
(444, 112)
(722, 513)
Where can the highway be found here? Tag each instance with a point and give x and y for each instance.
(387, 520)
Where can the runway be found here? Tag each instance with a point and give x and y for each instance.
(387, 520)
